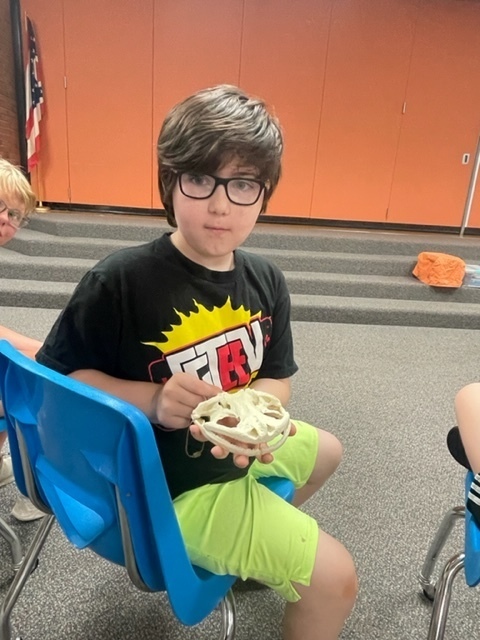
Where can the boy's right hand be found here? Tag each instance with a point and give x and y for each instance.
(178, 397)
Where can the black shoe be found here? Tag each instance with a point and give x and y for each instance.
(456, 448)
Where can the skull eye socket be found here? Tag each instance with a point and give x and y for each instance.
(228, 421)
(271, 414)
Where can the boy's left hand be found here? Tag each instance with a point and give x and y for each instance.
(239, 459)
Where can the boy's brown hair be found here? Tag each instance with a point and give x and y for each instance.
(14, 184)
(209, 129)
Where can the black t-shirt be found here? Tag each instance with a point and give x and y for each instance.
(147, 312)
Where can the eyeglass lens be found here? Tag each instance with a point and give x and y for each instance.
(15, 217)
(239, 190)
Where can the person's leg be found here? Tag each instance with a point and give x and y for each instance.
(308, 458)
(467, 409)
(6, 471)
(241, 528)
(329, 456)
(325, 604)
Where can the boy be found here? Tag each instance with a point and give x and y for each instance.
(17, 201)
(170, 323)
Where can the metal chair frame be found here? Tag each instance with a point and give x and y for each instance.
(440, 592)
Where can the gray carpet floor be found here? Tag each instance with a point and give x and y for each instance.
(387, 393)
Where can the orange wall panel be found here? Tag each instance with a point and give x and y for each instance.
(197, 45)
(366, 76)
(51, 179)
(109, 69)
(283, 59)
(337, 73)
(442, 118)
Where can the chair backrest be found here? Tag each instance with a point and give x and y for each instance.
(92, 460)
(472, 542)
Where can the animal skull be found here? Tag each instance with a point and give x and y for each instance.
(262, 422)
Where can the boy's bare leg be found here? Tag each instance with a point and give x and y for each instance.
(324, 606)
(327, 602)
(328, 458)
(3, 437)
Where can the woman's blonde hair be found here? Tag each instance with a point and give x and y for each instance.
(14, 184)
(209, 129)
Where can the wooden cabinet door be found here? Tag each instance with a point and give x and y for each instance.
(366, 76)
(197, 45)
(109, 105)
(283, 61)
(50, 179)
(442, 116)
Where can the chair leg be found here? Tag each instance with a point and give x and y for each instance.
(22, 576)
(15, 547)
(435, 549)
(228, 611)
(441, 603)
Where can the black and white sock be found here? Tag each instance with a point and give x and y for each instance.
(473, 499)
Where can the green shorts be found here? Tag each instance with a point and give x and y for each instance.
(243, 529)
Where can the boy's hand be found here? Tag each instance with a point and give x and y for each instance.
(178, 397)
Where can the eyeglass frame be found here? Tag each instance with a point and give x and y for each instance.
(24, 219)
(221, 181)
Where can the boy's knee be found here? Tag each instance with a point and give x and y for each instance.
(344, 581)
(334, 573)
(330, 449)
(348, 580)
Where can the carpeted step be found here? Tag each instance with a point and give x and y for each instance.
(50, 268)
(414, 313)
(35, 293)
(334, 275)
(272, 236)
(311, 308)
(34, 243)
(376, 286)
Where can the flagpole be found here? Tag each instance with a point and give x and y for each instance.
(40, 208)
(34, 109)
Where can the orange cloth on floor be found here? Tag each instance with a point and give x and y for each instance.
(439, 269)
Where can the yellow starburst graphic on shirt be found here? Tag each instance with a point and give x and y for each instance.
(201, 324)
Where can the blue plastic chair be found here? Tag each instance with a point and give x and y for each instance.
(90, 461)
(468, 559)
(6, 532)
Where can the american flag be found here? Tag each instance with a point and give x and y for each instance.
(34, 99)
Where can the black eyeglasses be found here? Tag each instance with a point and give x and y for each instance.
(243, 191)
(15, 217)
